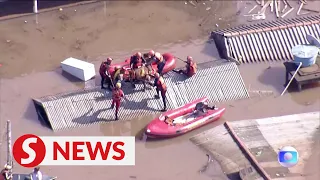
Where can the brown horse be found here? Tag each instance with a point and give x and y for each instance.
(142, 74)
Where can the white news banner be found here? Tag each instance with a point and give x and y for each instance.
(31, 150)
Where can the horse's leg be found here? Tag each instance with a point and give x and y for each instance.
(132, 79)
(144, 85)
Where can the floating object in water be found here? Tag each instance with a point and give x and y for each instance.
(306, 54)
(80, 69)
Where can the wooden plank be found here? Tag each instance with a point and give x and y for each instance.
(253, 160)
(311, 77)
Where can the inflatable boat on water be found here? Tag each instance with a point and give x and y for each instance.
(170, 65)
(182, 120)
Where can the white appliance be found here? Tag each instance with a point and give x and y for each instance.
(80, 69)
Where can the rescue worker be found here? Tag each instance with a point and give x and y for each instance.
(136, 61)
(161, 87)
(149, 57)
(117, 95)
(36, 174)
(5, 173)
(160, 62)
(202, 108)
(151, 54)
(104, 73)
(191, 67)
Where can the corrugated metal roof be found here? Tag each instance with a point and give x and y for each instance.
(264, 137)
(268, 41)
(217, 141)
(84, 107)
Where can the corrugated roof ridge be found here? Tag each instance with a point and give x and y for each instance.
(269, 26)
(47, 98)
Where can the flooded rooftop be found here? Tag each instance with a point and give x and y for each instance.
(96, 31)
(264, 138)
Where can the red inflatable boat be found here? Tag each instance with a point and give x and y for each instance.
(183, 120)
(169, 58)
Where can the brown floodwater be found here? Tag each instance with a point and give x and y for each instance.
(157, 159)
(25, 75)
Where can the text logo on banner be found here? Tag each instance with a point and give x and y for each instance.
(30, 150)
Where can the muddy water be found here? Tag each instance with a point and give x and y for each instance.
(155, 160)
(174, 158)
(16, 93)
(91, 30)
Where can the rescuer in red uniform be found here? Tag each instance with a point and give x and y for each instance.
(104, 73)
(117, 95)
(191, 68)
(136, 61)
(161, 87)
(150, 57)
(161, 62)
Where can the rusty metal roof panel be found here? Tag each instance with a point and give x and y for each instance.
(218, 143)
(269, 41)
(263, 137)
(219, 82)
(283, 23)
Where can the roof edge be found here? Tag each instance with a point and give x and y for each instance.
(268, 26)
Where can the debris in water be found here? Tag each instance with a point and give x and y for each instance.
(60, 9)
(39, 29)
(220, 18)
(285, 6)
(205, 167)
(300, 7)
(254, 7)
(307, 103)
(287, 12)
(277, 174)
(8, 41)
(258, 16)
(193, 4)
(25, 21)
(185, 3)
(258, 153)
(217, 25)
(75, 10)
(208, 8)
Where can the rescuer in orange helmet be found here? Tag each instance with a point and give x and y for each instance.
(161, 87)
(104, 73)
(117, 95)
